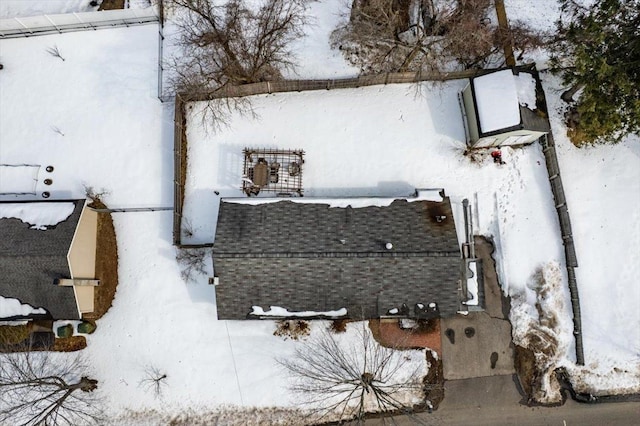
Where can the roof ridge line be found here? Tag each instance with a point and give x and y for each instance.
(426, 253)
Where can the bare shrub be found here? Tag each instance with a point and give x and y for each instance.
(339, 325)
(94, 195)
(153, 381)
(192, 262)
(293, 329)
(55, 52)
(57, 130)
(187, 227)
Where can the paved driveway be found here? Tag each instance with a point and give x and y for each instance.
(479, 344)
(476, 346)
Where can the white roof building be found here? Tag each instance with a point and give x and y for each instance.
(500, 109)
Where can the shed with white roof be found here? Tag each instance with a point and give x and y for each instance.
(499, 108)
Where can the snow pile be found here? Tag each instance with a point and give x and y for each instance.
(526, 85)
(542, 326)
(355, 203)
(380, 141)
(10, 307)
(472, 285)
(277, 311)
(38, 215)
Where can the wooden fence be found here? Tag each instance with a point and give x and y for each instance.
(280, 86)
(553, 169)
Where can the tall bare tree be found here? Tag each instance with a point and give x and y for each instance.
(346, 378)
(46, 388)
(426, 35)
(232, 43)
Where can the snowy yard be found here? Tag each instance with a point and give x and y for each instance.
(114, 135)
(602, 186)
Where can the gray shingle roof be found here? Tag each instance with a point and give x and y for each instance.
(30, 261)
(310, 257)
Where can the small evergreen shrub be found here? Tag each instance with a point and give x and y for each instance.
(65, 331)
(86, 327)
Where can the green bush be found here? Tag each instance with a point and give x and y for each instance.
(86, 327)
(65, 331)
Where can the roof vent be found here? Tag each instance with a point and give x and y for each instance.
(388, 246)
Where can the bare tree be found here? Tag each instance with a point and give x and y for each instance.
(46, 388)
(426, 35)
(231, 43)
(154, 380)
(346, 378)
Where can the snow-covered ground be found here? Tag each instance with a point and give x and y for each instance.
(96, 118)
(602, 187)
(87, 116)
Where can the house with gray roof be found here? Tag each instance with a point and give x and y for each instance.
(307, 257)
(49, 268)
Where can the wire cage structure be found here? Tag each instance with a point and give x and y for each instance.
(272, 170)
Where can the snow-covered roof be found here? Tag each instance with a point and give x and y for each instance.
(496, 97)
(10, 307)
(526, 85)
(343, 202)
(39, 215)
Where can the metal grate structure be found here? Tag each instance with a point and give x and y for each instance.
(272, 170)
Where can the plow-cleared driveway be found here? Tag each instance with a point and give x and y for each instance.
(479, 344)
